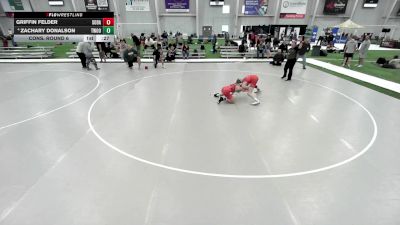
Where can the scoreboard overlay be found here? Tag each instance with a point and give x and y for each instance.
(64, 26)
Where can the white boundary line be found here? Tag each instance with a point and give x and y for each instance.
(58, 108)
(363, 151)
(357, 75)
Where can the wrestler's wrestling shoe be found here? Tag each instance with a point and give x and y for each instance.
(221, 99)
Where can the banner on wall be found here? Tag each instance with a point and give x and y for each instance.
(255, 7)
(96, 5)
(293, 9)
(177, 5)
(56, 2)
(16, 4)
(334, 7)
(370, 3)
(137, 5)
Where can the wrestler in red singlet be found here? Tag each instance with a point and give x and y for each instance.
(251, 80)
(227, 91)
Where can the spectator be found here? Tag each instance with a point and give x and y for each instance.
(362, 51)
(268, 39)
(5, 42)
(190, 39)
(185, 51)
(321, 38)
(157, 55)
(88, 51)
(242, 49)
(171, 54)
(294, 35)
(136, 42)
(130, 56)
(101, 47)
(260, 50)
(112, 50)
(329, 39)
(349, 49)
(150, 42)
(278, 58)
(176, 38)
(283, 47)
(303, 47)
(214, 43)
(164, 38)
(142, 39)
(291, 61)
(81, 54)
(331, 49)
(11, 37)
(275, 43)
(268, 49)
(393, 64)
(122, 48)
(226, 37)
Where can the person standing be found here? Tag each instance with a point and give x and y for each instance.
(291, 60)
(362, 51)
(158, 56)
(101, 46)
(81, 54)
(122, 48)
(11, 37)
(214, 43)
(321, 38)
(136, 42)
(304, 47)
(88, 51)
(5, 42)
(349, 49)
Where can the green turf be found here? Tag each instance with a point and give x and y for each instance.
(370, 67)
(362, 83)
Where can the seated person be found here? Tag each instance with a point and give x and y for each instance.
(283, 47)
(393, 63)
(260, 50)
(170, 54)
(150, 42)
(330, 48)
(278, 58)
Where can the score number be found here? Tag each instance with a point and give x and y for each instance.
(108, 25)
(108, 22)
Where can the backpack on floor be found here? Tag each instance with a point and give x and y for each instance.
(381, 60)
(323, 53)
